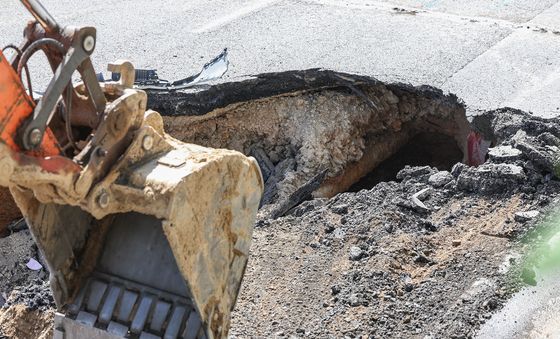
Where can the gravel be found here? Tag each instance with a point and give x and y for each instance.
(373, 264)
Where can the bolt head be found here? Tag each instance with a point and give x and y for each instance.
(35, 137)
(101, 152)
(103, 199)
(88, 43)
(147, 142)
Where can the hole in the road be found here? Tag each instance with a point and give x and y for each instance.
(432, 149)
(299, 123)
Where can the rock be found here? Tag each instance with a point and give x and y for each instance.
(456, 243)
(340, 209)
(504, 154)
(355, 300)
(440, 179)
(545, 158)
(549, 139)
(457, 169)
(416, 200)
(356, 253)
(491, 178)
(300, 210)
(410, 172)
(526, 216)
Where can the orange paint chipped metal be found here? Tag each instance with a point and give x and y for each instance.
(15, 107)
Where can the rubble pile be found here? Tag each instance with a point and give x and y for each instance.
(431, 254)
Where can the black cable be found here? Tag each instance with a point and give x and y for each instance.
(68, 104)
(31, 49)
(27, 75)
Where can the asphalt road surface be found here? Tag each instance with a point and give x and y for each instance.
(491, 53)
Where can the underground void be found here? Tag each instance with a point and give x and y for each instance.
(425, 149)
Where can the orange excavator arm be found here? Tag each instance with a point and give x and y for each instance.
(15, 108)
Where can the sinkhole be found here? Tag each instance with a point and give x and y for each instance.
(432, 149)
(298, 124)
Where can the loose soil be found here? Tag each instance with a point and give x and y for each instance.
(19, 321)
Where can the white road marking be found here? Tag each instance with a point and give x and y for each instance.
(236, 14)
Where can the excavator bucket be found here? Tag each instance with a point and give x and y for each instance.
(144, 236)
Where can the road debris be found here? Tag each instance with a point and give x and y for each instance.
(526, 216)
(504, 154)
(440, 179)
(34, 265)
(356, 253)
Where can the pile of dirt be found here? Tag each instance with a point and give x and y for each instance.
(15, 252)
(26, 303)
(19, 321)
(429, 255)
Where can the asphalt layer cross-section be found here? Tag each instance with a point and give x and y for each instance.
(490, 53)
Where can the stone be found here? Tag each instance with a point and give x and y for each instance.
(418, 205)
(456, 243)
(457, 169)
(356, 253)
(545, 158)
(491, 178)
(416, 199)
(526, 216)
(340, 209)
(355, 300)
(504, 154)
(410, 172)
(440, 179)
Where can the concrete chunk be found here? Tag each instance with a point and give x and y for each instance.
(504, 153)
(440, 179)
(526, 216)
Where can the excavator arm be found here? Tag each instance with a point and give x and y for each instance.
(144, 236)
